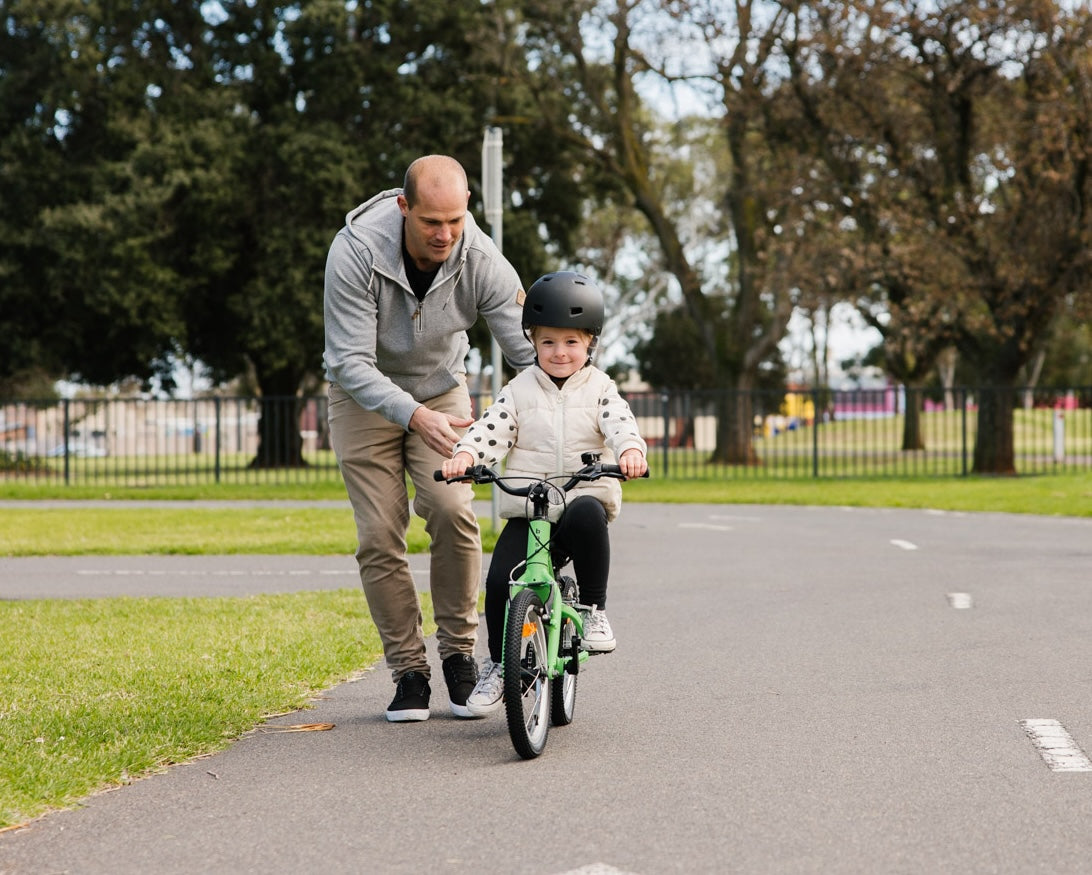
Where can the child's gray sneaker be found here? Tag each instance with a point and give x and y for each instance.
(598, 635)
(489, 691)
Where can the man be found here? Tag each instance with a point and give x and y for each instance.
(405, 278)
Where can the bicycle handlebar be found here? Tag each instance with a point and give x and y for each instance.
(592, 470)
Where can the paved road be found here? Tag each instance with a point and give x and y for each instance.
(796, 690)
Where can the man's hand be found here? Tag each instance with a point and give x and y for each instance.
(437, 429)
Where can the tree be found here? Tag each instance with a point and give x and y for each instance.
(958, 141)
(177, 180)
(590, 61)
(84, 291)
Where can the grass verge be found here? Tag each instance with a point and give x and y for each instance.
(1050, 495)
(171, 530)
(95, 693)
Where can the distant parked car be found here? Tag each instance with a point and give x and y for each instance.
(79, 448)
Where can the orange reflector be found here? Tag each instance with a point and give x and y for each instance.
(528, 630)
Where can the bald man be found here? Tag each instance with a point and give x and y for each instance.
(405, 279)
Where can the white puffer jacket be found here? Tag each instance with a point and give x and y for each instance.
(542, 430)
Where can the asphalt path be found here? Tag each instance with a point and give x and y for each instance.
(795, 690)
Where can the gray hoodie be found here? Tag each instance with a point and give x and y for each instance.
(388, 350)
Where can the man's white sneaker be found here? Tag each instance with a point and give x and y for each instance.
(598, 635)
(489, 691)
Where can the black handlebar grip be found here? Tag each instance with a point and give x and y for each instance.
(438, 475)
(617, 469)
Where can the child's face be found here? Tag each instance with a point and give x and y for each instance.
(561, 351)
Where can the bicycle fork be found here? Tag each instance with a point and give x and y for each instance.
(557, 614)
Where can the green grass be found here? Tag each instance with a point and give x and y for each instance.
(1053, 495)
(171, 530)
(114, 530)
(31, 490)
(95, 693)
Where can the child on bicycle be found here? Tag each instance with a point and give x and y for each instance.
(542, 421)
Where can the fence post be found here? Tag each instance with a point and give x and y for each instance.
(815, 433)
(64, 437)
(963, 433)
(216, 407)
(665, 399)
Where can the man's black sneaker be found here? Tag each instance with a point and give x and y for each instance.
(461, 674)
(410, 701)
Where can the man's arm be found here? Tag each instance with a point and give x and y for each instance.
(501, 303)
(350, 320)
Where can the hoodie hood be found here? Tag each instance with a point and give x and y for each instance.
(377, 224)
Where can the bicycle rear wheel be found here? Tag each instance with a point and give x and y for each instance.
(526, 676)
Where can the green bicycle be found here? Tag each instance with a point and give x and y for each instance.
(543, 623)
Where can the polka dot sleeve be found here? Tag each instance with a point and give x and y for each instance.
(490, 438)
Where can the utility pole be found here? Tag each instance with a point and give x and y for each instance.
(492, 158)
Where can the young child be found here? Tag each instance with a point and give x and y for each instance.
(542, 421)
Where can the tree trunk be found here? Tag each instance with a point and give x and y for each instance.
(911, 421)
(1036, 369)
(994, 452)
(735, 426)
(946, 366)
(280, 444)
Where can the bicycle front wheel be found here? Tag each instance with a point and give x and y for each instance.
(526, 675)
(563, 694)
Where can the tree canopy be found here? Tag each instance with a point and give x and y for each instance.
(171, 175)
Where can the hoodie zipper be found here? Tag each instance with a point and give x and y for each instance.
(417, 316)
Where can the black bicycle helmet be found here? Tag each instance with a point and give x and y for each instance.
(564, 299)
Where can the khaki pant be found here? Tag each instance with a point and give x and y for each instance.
(375, 455)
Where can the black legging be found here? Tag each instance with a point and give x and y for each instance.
(580, 535)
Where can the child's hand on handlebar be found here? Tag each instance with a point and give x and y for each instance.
(632, 462)
(457, 466)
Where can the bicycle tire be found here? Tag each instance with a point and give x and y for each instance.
(563, 694)
(527, 684)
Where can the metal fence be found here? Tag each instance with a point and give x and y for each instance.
(815, 433)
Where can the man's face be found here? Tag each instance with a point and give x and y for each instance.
(436, 222)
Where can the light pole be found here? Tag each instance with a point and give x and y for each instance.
(494, 215)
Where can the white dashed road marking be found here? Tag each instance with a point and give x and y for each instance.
(904, 545)
(961, 601)
(596, 869)
(1056, 746)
